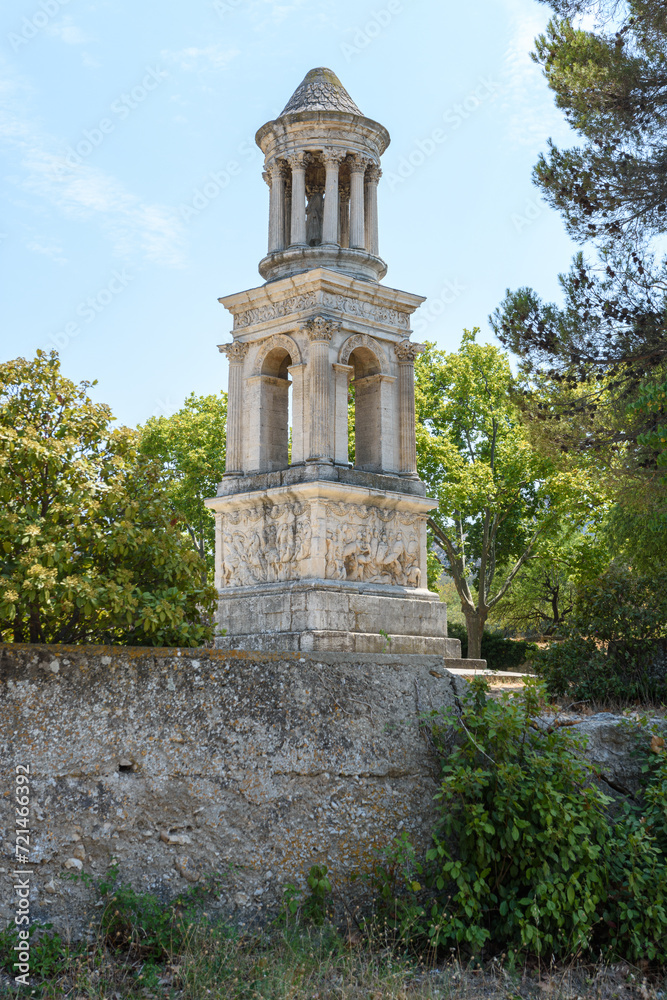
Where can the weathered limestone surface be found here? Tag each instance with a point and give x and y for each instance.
(184, 763)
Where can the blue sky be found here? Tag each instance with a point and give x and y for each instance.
(116, 115)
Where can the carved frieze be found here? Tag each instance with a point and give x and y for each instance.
(365, 310)
(265, 544)
(275, 310)
(372, 545)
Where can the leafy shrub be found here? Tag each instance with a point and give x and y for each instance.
(526, 858)
(313, 908)
(49, 953)
(616, 644)
(500, 653)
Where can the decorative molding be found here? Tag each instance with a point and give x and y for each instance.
(235, 352)
(321, 328)
(407, 352)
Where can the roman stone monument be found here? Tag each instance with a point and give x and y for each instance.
(313, 551)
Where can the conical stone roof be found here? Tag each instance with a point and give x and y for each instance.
(320, 90)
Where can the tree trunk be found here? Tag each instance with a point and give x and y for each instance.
(19, 631)
(475, 628)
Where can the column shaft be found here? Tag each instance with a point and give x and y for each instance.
(345, 217)
(236, 353)
(406, 354)
(320, 332)
(331, 208)
(373, 175)
(406, 375)
(357, 169)
(298, 228)
(277, 208)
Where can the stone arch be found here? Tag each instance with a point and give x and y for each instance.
(278, 340)
(361, 342)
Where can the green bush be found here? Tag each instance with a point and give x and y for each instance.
(526, 857)
(499, 653)
(617, 643)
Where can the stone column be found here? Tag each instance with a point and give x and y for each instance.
(332, 159)
(373, 175)
(288, 212)
(320, 331)
(277, 206)
(342, 376)
(236, 353)
(406, 354)
(357, 171)
(298, 162)
(344, 224)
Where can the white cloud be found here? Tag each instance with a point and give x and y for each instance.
(195, 60)
(85, 192)
(70, 34)
(528, 103)
(49, 249)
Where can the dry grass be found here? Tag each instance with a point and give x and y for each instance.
(325, 965)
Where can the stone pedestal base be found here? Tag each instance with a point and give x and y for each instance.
(336, 616)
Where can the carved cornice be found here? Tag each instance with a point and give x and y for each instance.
(407, 352)
(235, 352)
(321, 328)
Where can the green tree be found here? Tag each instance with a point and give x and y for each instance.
(543, 597)
(190, 445)
(89, 550)
(497, 494)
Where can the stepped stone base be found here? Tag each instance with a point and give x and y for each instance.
(337, 616)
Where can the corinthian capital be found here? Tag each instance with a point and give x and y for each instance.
(407, 352)
(373, 174)
(330, 154)
(299, 160)
(358, 163)
(235, 352)
(321, 328)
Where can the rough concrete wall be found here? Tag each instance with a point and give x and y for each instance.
(183, 763)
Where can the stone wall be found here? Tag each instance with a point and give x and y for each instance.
(184, 763)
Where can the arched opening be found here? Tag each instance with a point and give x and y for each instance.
(274, 410)
(366, 386)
